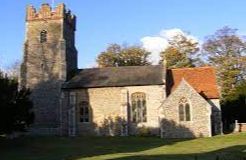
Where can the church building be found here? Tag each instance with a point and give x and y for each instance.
(111, 101)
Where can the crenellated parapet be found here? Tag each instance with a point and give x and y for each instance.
(47, 13)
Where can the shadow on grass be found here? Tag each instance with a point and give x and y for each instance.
(60, 148)
(57, 148)
(119, 148)
(230, 153)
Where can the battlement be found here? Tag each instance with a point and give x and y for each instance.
(47, 13)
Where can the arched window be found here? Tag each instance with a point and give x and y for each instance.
(181, 112)
(72, 99)
(138, 109)
(43, 36)
(184, 110)
(84, 111)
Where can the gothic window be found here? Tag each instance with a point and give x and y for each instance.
(187, 112)
(184, 110)
(72, 99)
(138, 109)
(181, 112)
(43, 36)
(84, 111)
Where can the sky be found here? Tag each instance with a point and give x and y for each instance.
(139, 22)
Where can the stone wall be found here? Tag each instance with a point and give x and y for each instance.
(43, 73)
(242, 127)
(216, 116)
(110, 109)
(200, 123)
(239, 127)
(155, 96)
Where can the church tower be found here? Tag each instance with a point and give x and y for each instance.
(50, 58)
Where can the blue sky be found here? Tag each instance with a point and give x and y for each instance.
(101, 22)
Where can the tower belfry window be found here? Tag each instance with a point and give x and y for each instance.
(43, 36)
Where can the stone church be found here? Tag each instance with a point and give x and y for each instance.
(133, 100)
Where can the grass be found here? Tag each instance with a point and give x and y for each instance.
(227, 147)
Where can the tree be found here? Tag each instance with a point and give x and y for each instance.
(13, 70)
(15, 108)
(179, 52)
(234, 108)
(226, 51)
(116, 55)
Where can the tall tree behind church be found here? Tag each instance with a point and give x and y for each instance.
(180, 51)
(117, 55)
(226, 51)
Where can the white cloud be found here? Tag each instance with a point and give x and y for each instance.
(170, 33)
(157, 44)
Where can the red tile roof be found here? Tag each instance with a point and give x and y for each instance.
(202, 79)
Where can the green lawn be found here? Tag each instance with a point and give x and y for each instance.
(228, 147)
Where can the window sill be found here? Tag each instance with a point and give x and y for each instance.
(185, 122)
(84, 122)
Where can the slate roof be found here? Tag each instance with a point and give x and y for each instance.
(116, 77)
(202, 79)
